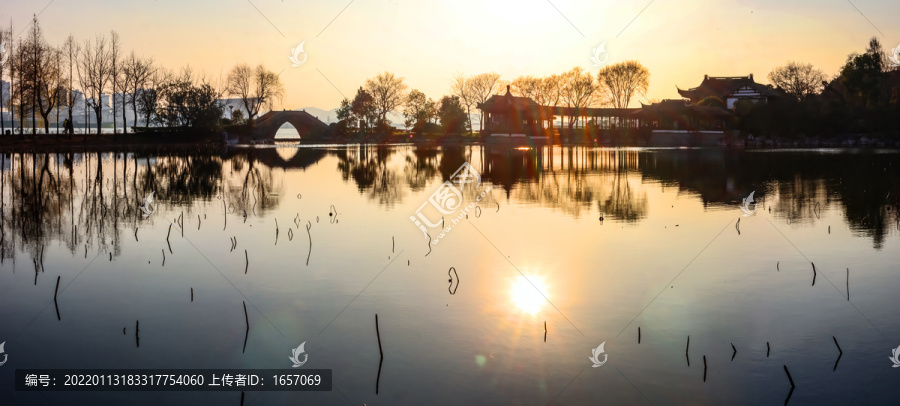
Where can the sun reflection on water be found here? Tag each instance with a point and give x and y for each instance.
(526, 297)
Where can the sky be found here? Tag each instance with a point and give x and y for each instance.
(428, 41)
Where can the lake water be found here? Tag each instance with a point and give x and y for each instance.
(596, 243)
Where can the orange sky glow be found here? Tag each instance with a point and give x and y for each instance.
(426, 42)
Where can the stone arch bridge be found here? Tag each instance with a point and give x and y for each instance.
(306, 124)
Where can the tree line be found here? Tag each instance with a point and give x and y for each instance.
(46, 79)
(863, 97)
(614, 85)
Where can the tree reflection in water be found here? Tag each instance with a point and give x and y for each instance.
(370, 168)
(796, 185)
(420, 167)
(86, 201)
(571, 179)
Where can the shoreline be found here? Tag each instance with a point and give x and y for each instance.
(143, 142)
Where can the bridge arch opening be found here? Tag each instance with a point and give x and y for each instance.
(288, 131)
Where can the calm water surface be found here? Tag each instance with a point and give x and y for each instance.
(597, 243)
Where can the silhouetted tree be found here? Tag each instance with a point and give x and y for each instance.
(257, 88)
(71, 50)
(526, 86)
(44, 75)
(364, 109)
(419, 110)
(861, 77)
(137, 73)
(186, 104)
(94, 72)
(578, 90)
(483, 87)
(15, 61)
(551, 91)
(798, 80)
(388, 93)
(5, 61)
(149, 96)
(622, 80)
(874, 48)
(114, 47)
(345, 123)
(462, 87)
(237, 117)
(452, 115)
(754, 117)
(357, 114)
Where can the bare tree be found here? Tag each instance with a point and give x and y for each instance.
(114, 75)
(137, 73)
(148, 97)
(620, 81)
(257, 88)
(501, 87)
(526, 86)
(578, 90)
(71, 50)
(388, 92)
(30, 62)
(19, 66)
(124, 82)
(268, 87)
(797, 79)
(59, 89)
(551, 90)
(462, 87)
(30, 78)
(483, 87)
(548, 91)
(43, 76)
(5, 61)
(94, 71)
(240, 83)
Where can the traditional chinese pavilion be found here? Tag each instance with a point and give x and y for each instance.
(516, 117)
(731, 89)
